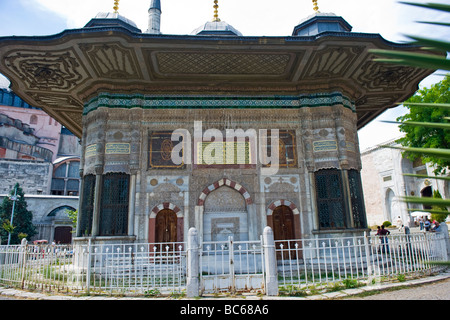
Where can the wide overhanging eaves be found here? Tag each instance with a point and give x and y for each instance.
(61, 73)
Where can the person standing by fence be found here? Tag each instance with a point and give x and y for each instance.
(427, 224)
(384, 240)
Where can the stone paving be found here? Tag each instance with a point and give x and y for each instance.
(348, 293)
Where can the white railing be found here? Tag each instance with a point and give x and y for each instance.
(231, 266)
(305, 263)
(153, 269)
(132, 269)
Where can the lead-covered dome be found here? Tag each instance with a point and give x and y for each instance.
(321, 22)
(216, 28)
(112, 19)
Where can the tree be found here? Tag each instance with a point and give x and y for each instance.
(22, 219)
(73, 215)
(438, 213)
(432, 61)
(432, 136)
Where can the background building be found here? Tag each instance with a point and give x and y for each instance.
(44, 158)
(384, 185)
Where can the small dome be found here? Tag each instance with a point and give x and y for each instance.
(216, 28)
(321, 22)
(4, 82)
(109, 19)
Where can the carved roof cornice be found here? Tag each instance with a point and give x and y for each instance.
(62, 72)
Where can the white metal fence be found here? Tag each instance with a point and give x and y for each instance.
(305, 263)
(132, 269)
(232, 266)
(153, 269)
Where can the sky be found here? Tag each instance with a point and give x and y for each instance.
(389, 18)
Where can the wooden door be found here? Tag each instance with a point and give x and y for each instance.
(63, 235)
(166, 226)
(283, 229)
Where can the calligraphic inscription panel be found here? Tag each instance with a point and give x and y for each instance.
(160, 150)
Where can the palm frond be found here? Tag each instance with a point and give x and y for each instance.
(427, 61)
(429, 5)
(440, 125)
(444, 24)
(427, 201)
(424, 176)
(444, 45)
(425, 104)
(437, 152)
(430, 211)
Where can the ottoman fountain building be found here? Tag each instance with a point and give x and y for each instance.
(213, 130)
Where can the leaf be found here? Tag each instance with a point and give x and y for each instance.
(436, 23)
(424, 104)
(442, 153)
(432, 43)
(427, 201)
(429, 5)
(413, 59)
(426, 176)
(440, 125)
(430, 211)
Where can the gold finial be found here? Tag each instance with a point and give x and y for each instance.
(116, 6)
(216, 12)
(316, 7)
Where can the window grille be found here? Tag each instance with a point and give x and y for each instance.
(114, 205)
(357, 198)
(65, 179)
(330, 199)
(87, 206)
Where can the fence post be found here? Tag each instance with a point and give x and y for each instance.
(370, 271)
(231, 265)
(192, 281)
(23, 260)
(270, 259)
(88, 271)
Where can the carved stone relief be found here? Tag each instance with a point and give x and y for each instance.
(50, 71)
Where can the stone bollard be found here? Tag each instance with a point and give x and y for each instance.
(193, 272)
(23, 251)
(270, 260)
(446, 241)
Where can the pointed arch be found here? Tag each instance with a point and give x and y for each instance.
(282, 202)
(179, 221)
(224, 182)
(295, 212)
(166, 205)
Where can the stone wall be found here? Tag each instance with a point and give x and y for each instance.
(41, 206)
(34, 177)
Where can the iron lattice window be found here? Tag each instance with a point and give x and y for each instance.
(66, 179)
(330, 199)
(114, 205)
(357, 198)
(87, 206)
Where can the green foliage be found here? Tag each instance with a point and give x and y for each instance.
(7, 226)
(401, 278)
(432, 136)
(350, 283)
(439, 217)
(22, 221)
(434, 146)
(73, 215)
(387, 223)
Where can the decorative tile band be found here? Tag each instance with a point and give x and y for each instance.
(210, 102)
